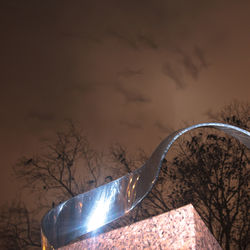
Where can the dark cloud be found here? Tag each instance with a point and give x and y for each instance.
(148, 41)
(199, 53)
(62, 59)
(133, 39)
(193, 63)
(125, 39)
(174, 74)
(132, 95)
(189, 65)
(130, 73)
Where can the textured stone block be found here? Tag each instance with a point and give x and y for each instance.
(178, 229)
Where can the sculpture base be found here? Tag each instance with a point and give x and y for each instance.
(178, 229)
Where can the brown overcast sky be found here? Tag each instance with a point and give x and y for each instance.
(127, 71)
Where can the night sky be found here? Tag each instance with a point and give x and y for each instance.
(127, 71)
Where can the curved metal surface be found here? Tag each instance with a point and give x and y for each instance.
(89, 211)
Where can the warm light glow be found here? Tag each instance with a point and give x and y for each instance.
(80, 206)
(101, 210)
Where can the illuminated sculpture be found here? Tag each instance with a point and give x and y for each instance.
(89, 211)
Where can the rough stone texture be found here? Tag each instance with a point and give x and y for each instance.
(178, 229)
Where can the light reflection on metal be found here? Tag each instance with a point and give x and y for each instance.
(101, 209)
(88, 211)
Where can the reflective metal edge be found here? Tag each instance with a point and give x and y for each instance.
(89, 211)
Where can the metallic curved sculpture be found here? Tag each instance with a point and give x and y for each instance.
(89, 211)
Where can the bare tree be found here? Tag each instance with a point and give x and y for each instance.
(60, 170)
(68, 166)
(209, 170)
(18, 229)
(236, 113)
(155, 202)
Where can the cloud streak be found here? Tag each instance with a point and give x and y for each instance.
(134, 41)
(148, 41)
(123, 38)
(174, 74)
(194, 63)
(132, 95)
(190, 67)
(199, 53)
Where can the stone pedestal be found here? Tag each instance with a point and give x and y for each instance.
(178, 229)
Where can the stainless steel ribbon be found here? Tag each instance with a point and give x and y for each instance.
(89, 211)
